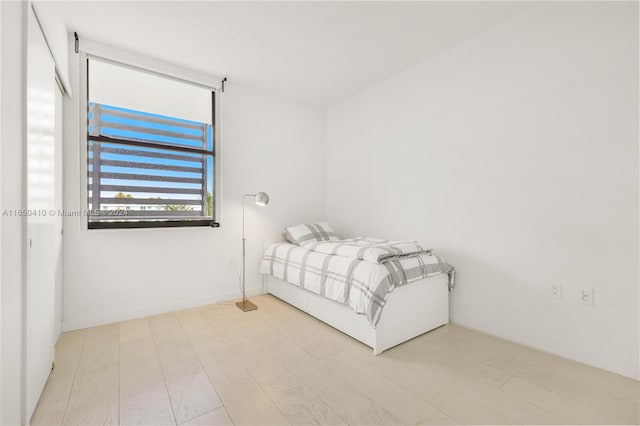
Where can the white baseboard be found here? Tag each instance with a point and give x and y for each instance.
(156, 310)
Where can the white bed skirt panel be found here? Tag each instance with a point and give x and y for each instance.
(410, 311)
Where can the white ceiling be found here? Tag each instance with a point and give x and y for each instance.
(315, 52)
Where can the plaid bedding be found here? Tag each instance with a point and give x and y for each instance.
(372, 250)
(364, 286)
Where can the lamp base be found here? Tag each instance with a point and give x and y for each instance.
(246, 306)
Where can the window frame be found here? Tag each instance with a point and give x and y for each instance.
(153, 69)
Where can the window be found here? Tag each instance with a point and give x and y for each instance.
(150, 150)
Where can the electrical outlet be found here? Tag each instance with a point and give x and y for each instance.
(586, 296)
(556, 291)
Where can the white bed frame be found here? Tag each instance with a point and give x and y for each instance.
(410, 311)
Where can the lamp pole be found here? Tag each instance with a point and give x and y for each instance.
(244, 253)
(261, 199)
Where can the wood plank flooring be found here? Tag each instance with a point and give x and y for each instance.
(216, 365)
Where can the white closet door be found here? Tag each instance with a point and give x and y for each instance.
(58, 220)
(41, 262)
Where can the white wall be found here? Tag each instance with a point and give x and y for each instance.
(112, 275)
(50, 16)
(1, 365)
(13, 28)
(516, 155)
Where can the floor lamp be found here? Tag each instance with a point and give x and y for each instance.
(261, 199)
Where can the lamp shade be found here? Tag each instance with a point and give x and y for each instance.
(262, 198)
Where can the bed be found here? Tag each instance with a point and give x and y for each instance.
(379, 292)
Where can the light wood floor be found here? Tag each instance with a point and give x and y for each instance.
(217, 365)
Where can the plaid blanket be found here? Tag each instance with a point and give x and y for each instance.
(372, 250)
(364, 286)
